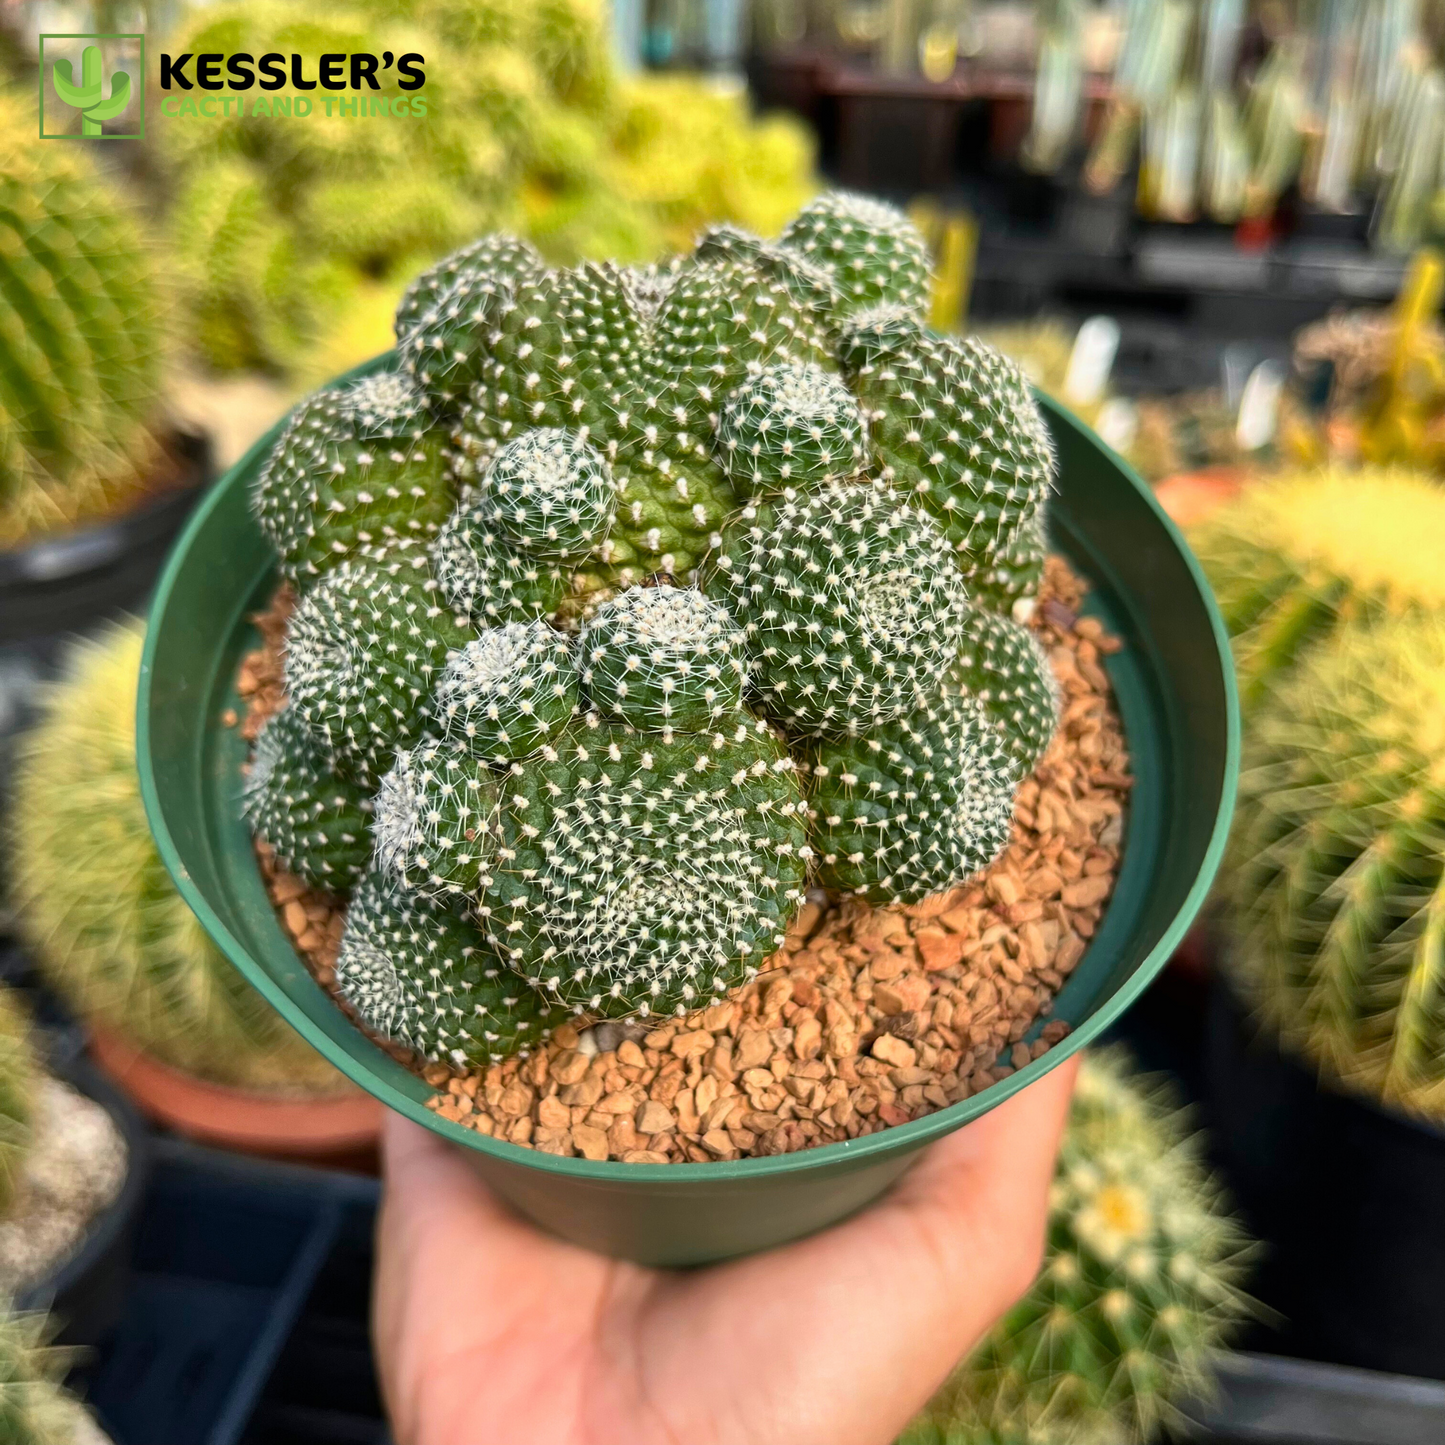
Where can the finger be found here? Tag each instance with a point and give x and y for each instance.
(842, 1337)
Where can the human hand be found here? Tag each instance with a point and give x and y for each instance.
(489, 1331)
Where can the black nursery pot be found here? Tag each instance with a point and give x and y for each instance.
(63, 583)
(1349, 1199)
(86, 1290)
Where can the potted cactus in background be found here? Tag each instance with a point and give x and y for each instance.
(35, 1409)
(169, 1018)
(294, 245)
(1139, 1291)
(1329, 919)
(94, 478)
(72, 1168)
(86, 440)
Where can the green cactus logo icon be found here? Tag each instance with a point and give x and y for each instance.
(88, 94)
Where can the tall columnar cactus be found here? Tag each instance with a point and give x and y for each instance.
(80, 337)
(17, 1090)
(1336, 868)
(1296, 558)
(1141, 1286)
(96, 904)
(718, 605)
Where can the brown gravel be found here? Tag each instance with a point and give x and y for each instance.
(867, 1017)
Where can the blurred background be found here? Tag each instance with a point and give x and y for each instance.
(1208, 227)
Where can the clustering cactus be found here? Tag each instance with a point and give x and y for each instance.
(1140, 1286)
(694, 626)
(80, 343)
(1298, 557)
(283, 234)
(1336, 868)
(17, 1090)
(97, 907)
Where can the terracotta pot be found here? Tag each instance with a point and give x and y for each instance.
(335, 1128)
(1189, 497)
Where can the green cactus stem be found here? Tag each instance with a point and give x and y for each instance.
(1004, 667)
(955, 426)
(1336, 868)
(364, 651)
(503, 695)
(421, 974)
(1297, 558)
(792, 425)
(358, 465)
(852, 605)
(318, 824)
(435, 824)
(637, 876)
(875, 254)
(492, 261)
(914, 806)
(663, 659)
(549, 494)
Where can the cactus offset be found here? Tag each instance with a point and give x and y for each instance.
(688, 633)
(953, 422)
(421, 974)
(914, 806)
(80, 363)
(1004, 667)
(318, 824)
(1296, 558)
(504, 694)
(1141, 1286)
(435, 823)
(634, 875)
(852, 605)
(1336, 868)
(363, 654)
(357, 466)
(494, 261)
(663, 658)
(792, 425)
(97, 907)
(875, 254)
(548, 493)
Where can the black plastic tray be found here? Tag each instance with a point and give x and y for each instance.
(226, 1255)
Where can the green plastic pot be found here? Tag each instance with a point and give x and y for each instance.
(1174, 684)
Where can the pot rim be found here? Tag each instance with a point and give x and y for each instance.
(893, 1140)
